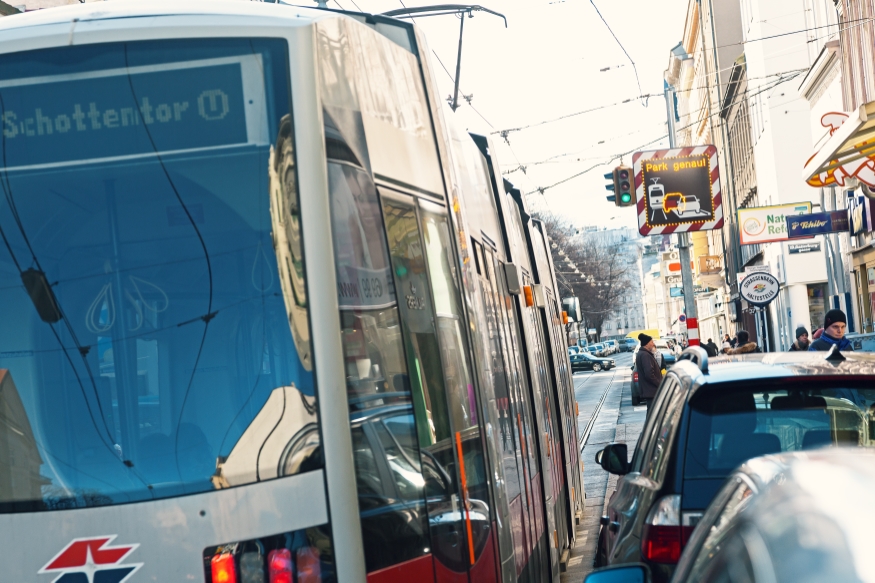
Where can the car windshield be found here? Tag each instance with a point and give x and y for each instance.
(153, 309)
(731, 425)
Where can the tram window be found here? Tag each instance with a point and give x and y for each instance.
(183, 320)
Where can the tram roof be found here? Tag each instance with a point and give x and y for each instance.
(116, 9)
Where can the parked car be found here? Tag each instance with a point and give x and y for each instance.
(705, 422)
(612, 346)
(668, 358)
(581, 362)
(628, 345)
(791, 518)
(597, 349)
(573, 350)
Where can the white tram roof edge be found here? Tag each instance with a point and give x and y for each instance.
(118, 9)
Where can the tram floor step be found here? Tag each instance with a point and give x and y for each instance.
(563, 561)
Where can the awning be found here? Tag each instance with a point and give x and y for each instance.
(852, 141)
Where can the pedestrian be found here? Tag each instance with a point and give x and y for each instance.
(733, 342)
(817, 333)
(834, 325)
(726, 347)
(711, 348)
(743, 345)
(648, 363)
(802, 342)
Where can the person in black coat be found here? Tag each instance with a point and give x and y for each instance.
(648, 363)
(802, 342)
(711, 348)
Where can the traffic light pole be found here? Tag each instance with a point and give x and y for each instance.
(683, 239)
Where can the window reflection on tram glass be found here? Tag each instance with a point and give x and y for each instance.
(175, 320)
(389, 475)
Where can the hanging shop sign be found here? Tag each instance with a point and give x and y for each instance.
(794, 248)
(811, 224)
(673, 279)
(759, 288)
(766, 224)
(709, 264)
(676, 292)
(859, 213)
(678, 190)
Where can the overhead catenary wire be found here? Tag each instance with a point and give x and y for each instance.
(625, 52)
(542, 189)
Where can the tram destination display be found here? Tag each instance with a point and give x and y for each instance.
(132, 112)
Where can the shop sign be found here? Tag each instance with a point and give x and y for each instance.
(676, 292)
(811, 224)
(767, 224)
(670, 279)
(709, 264)
(794, 248)
(759, 288)
(858, 207)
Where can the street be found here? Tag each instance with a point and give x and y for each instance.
(606, 415)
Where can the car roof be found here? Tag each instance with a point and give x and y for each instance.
(772, 365)
(818, 495)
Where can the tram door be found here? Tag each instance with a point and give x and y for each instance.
(542, 389)
(427, 287)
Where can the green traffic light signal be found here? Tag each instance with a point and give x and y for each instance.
(623, 182)
(625, 198)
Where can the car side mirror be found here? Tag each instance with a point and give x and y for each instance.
(637, 573)
(613, 458)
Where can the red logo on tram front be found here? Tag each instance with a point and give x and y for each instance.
(92, 560)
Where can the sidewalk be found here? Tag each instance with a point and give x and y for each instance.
(618, 421)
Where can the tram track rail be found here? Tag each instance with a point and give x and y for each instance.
(584, 437)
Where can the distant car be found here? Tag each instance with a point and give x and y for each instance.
(584, 361)
(628, 345)
(790, 518)
(573, 350)
(598, 350)
(613, 346)
(710, 416)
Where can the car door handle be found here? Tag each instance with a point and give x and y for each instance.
(614, 526)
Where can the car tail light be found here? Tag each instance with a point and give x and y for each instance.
(279, 566)
(223, 568)
(664, 536)
(634, 377)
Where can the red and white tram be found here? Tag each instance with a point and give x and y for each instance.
(265, 315)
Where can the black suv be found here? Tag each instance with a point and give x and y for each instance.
(707, 419)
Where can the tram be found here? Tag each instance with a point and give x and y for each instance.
(266, 315)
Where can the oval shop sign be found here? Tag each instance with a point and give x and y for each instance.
(759, 288)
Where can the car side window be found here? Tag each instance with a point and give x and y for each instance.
(648, 435)
(732, 563)
(656, 456)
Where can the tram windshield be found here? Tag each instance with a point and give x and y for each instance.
(154, 333)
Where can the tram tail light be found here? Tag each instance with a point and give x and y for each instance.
(634, 377)
(223, 568)
(664, 537)
(309, 568)
(279, 566)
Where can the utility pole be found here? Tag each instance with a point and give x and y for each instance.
(683, 239)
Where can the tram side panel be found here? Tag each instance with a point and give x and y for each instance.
(563, 390)
(515, 433)
(419, 461)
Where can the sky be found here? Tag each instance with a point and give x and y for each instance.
(546, 64)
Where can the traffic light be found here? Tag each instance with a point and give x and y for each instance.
(611, 186)
(623, 186)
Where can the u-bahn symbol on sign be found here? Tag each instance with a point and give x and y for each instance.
(678, 190)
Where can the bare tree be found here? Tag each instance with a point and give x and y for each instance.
(604, 270)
